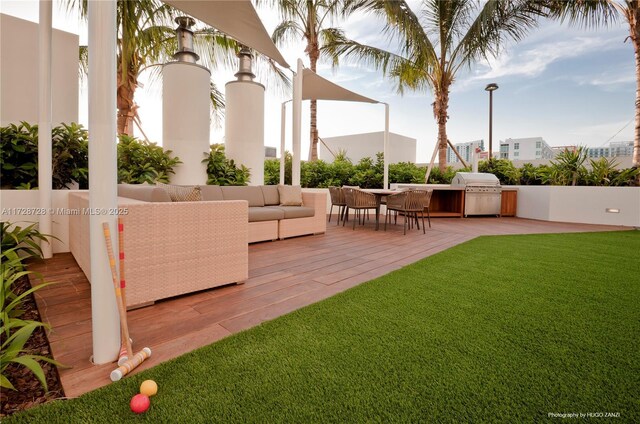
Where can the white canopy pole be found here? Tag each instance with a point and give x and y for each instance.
(102, 175)
(433, 159)
(45, 171)
(297, 124)
(386, 146)
(283, 130)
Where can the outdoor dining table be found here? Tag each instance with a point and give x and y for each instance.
(380, 194)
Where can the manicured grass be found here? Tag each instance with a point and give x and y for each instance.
(499, 329)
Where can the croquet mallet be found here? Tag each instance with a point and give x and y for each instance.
(139, 357)
(123, 355)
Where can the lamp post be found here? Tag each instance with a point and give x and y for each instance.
(491, 88)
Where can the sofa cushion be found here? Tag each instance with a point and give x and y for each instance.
(290, 195)
(143, 192)
(211, 192)
(271, 196)
(252, 194)
(182, 193)
(295, 211)
(265, 213)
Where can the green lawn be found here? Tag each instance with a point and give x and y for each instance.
(499, 329)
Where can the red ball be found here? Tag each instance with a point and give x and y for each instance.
(140, 403)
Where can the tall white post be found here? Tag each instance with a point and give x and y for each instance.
(45, 171)
(102, 175)
(386, 146)
(283, 123)
(297, 124)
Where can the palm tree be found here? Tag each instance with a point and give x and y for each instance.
(594, 13)
(306, 20)
(147, 39)
(435, 43)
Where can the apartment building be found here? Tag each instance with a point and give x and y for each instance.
(465, 150)
(525, 149)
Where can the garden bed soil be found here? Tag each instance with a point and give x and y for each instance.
(29, 391)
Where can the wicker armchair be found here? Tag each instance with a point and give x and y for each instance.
(410, 203)
(359, 200)
(337, 199)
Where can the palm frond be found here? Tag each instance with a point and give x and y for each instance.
(217, 104)
(497, 22)
(83, 60)
(586, 13)
(287, 31)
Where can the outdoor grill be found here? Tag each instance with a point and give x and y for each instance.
(483, 192)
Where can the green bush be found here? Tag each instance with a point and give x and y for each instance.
(141, 161)
(18, 244)
(223, 171)
(272, 170)
(19, 153)
(501, 168)
(69, 153)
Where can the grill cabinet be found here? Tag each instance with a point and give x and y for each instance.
(483, 192)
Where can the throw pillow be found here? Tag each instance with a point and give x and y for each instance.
(182, 193)
(290, 195)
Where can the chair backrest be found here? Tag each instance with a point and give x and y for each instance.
(337, 195)
(356, 198)
(417, 200)
(397, 201)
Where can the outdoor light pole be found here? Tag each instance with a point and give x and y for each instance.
(491, 88)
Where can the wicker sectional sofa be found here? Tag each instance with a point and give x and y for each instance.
(174, 248)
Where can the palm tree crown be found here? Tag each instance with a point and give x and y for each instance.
(437, 42)
(594, 13)
(307, 20)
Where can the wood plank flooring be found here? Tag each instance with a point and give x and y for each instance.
(283, 276)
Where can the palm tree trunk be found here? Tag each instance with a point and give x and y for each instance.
(634, 24)
(314, 53)
(124, 101)
(440, 107)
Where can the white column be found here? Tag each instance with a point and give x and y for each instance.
(283, 123)
(386, 146)
(44, 124)
(244, 127)
(297, 124)
(102, 175)
(186, 119)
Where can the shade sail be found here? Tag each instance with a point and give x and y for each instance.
(314, 87)
(237, 18)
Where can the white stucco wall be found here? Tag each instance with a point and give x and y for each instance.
(19, 76)
(586, 205)
(358, 146)
(22, 208)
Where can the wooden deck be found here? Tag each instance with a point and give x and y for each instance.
(283, 276)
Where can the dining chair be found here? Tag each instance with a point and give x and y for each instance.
(337, 199)
(359, 200)
(410, 203)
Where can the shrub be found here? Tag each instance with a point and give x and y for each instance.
(17, 245)
(272, 170)
(501, 168)
(143, 162)
(69, 153)
(19, 153)
(223, 171)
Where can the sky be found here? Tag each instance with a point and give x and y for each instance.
(567, 85)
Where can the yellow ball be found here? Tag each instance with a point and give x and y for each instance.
(149, 388)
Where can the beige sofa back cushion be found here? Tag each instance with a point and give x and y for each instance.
(143, 192)
(211, 192)
(271, 196)
(290, 195)
(252, 194)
